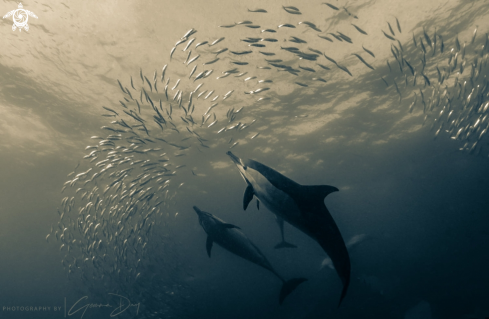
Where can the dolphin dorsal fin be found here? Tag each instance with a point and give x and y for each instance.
(319, 191)
(310, 198)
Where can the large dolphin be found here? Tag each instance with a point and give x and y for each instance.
(301, 206)
(230, 237)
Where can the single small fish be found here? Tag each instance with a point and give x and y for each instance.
(286, 25)
(324, 67)
(319, 79)
(327, 57)
(188, 44)
(267, 53)
(227, 26)
(344, 69)
(331, 6)
(422, 45)
(297, 40)
(426, 79)
(427, 38)
(325, 38)
(386, 84)
(291, 8)
(216, 41)
(364, 62)
(310, 25)
(239, 63)
(457, 43)
(414, 103)
(220, 51)
(388, 36)
(269, 30)
(189, 33)
(315, 51)
(245, 22)
(414, 41)
(368, 51)
(258, 10)
(253, 26)
(307, 69)
(474, 35)
(292, 11)
(188, 56)
(410, 66)
(390, 29)
(398, 26)
(211, 62)
(258, 45)
(201, 43)
(172, 51)
(359, 30)
(302, 84)
(241, 52)
(193, 59)
(192, 72)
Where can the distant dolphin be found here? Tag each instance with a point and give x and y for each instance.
(350, 245)
(301, 206)
(229, 237)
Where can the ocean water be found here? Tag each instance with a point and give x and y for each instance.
(407, 149)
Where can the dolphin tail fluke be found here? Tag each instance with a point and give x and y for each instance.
(288, 287)
(346, 283)
(285, 244)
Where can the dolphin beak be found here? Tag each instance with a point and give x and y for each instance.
(197, 210)
(234, 158)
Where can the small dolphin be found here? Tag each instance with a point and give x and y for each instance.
(302, 206)
(230, 237)
(283, 243)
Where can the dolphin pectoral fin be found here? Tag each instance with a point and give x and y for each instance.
(257, 204)
(284, 244)
(230, 226)
(288, 287)
(208, 245)
(248, 196)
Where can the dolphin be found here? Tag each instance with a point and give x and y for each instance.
(302, 206)
(283, 243)
(230, 237)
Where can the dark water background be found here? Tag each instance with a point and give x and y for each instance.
(422, 203)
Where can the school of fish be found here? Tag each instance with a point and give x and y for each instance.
(206, 98)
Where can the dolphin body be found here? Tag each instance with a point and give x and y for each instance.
(301, 206)
(230, 237)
